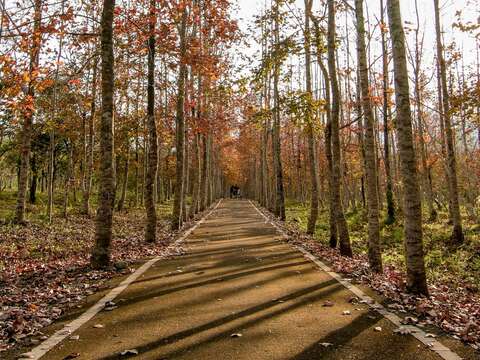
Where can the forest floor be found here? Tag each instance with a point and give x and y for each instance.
(453, 271)
(241, 291)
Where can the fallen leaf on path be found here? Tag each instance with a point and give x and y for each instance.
(71, 356)
(366, 302)
(402, 331)
(430, 335)
(398, 307)
(346, 312)
(326, 344)
(236, 335)
(378, 328)
(98, 326)
(409, 320)
(26, 356)
(129, 352)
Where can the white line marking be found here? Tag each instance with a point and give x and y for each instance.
(434, 345)
(37, 352)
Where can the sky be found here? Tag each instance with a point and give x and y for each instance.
(248, 8)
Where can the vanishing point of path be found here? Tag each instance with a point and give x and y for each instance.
(238, 277)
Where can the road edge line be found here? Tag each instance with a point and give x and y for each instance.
(433, 344)
(60, 335)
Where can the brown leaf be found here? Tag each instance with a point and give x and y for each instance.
(72, 356)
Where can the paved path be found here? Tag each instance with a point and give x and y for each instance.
(238, 278)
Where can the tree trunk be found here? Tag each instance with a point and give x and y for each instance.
(151, 226)
(196, 176)
(374, 247)
(177, 214)
(344, 238)
(137, 146)
(279, 191)
(204, 177)
(210, 178)
(121, 201)
(312, 220)
(186, 175)
(50, 179)
(103, 229)
(416, 277)
(26, 135)
(423, 150)
(386, 120)
(34, 181)
(328, 137)
(68, 178)
(91, 139)
(457, 233)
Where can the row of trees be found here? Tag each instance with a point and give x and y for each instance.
(379, 151)
(131, 101)
(136, 102)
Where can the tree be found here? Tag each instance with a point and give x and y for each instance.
(27, 113)
(151, 226)
(328, 134)
(457, 232)
(106, 196)
(87, 187)
(386, 117)
(177, 215)
(344, 238)
(414, 256)
(276, 141)
(374, 250)
(427, 177)
(312, 220)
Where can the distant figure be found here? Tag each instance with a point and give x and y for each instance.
(234, 192)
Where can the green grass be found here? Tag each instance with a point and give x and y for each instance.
(37, 212)
(442, 260)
